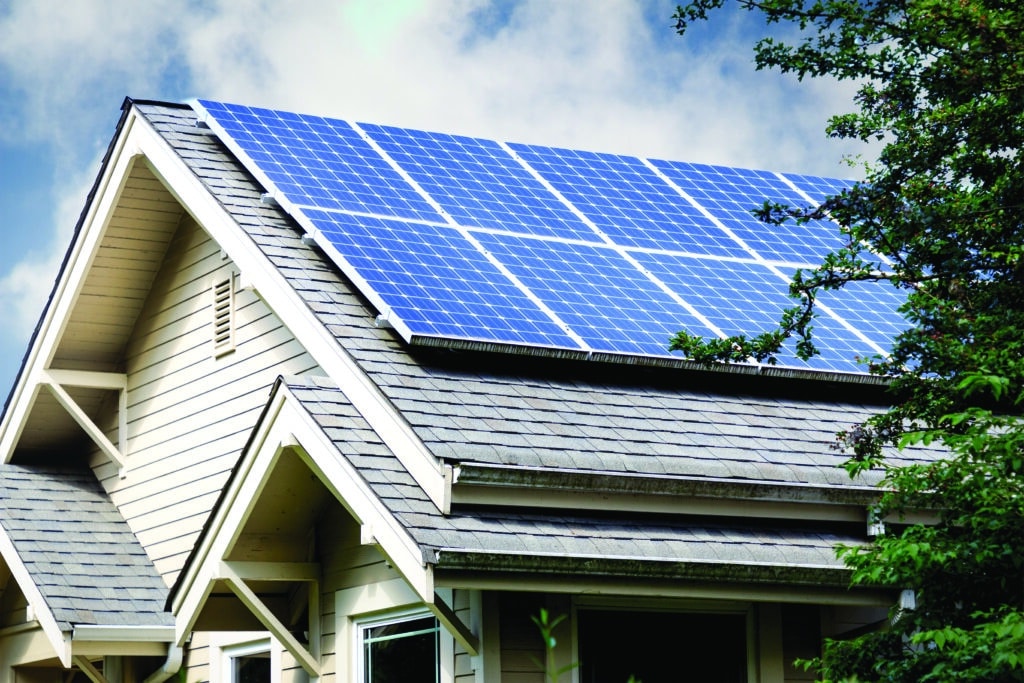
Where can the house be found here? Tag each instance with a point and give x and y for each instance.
(260, 434)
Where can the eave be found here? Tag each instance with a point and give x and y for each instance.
(496, 485)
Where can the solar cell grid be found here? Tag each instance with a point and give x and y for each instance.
(478, 183)
(872, 308)
(737, 297)
(628, 202)
(348, 175)
(598, 293)
(816, 187)
(731, 194)
(436, 282)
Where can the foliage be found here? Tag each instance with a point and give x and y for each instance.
(940, 216)
(547, 625)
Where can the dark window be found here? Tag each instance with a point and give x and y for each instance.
(254, 668)
(662, 647)
(401, 652)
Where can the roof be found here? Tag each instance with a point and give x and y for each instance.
(82, 557)
(485, 539)
(583, 426)
(498, 409)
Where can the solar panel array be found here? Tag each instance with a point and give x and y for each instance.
(461, 240)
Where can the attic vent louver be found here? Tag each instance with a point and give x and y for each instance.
(224, 316)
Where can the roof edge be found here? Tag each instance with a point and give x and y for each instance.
(603, 567)
(589, 481)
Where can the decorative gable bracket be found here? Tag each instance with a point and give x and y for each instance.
(235, 574)
(56, 380)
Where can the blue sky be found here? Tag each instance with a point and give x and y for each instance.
(606, 76)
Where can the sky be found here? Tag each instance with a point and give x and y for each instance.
(600, 75)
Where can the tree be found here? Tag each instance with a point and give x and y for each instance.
(940, 215)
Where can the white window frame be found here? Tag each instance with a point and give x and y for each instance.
(226, 647)
(445, 642)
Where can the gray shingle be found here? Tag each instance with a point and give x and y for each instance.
(85, 561)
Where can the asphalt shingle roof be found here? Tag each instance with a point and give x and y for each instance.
(584, 417)
(603, 544)
(83, 558)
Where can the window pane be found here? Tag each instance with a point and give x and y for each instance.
(402, 652)
(253, 668)
(662, 647)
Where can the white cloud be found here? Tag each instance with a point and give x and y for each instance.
(594, 75)
(584, 74)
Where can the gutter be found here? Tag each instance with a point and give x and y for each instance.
(596, 481)
(137, 634)
(171, 666)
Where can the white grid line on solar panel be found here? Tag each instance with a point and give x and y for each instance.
(731, 194)
(617, 247)
(817, 188)
(436, 282)
(747, 298)
(703, 211)
(870, 307)
(478, 183)
(603, 297)
(627, 201)
(315, 161)
(468, 236)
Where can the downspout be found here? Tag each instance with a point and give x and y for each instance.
(175, 655)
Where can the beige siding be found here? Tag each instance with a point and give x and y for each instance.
(197, 658)
(190, 414)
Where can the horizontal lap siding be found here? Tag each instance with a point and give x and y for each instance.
(189, 414)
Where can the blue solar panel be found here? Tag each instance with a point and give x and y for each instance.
(601, 296)
(435, 281)
(318, 162)
(746, 298)
(730, 194)
(816, 187)
(629, 202)
(871, 308)
(479, 184)
(614, 260)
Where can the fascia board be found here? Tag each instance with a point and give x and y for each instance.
(228, 517)
(123, 634)
(294, 313)
(350, 489)
(59, 639)
(564, 479)
(80, 257)
(285, 425)
(594, 586)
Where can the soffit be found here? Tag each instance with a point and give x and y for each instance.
(94, 336)
(122, 270)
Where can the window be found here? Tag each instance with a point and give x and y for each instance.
(403, 650)
(662, 647)
(251, 668)
(244, 657)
